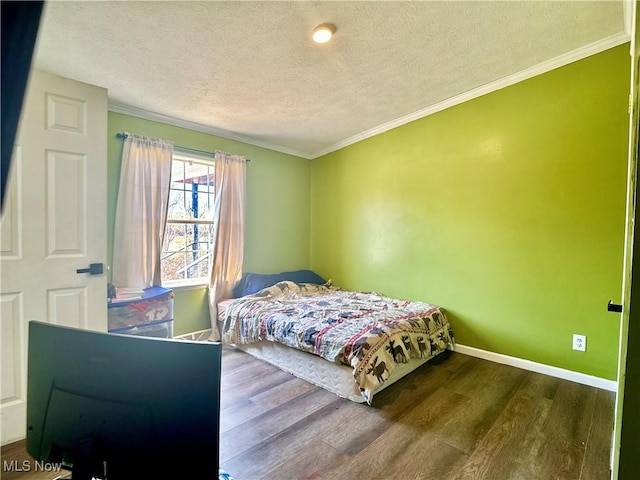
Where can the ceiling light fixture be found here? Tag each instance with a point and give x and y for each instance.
(323, 33)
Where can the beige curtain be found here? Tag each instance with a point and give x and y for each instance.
(141, 211)
(228, 249)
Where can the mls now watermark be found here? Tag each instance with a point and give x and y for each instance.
(30, 466)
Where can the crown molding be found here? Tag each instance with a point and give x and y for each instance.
(544, 67)
(130, 110)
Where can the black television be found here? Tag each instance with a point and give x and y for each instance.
(115, 406)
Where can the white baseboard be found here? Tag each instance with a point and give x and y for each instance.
(570, 375)
(590, 380)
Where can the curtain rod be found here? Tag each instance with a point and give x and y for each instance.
(194, 150)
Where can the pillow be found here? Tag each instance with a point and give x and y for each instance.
(254, 282)
(303, 276)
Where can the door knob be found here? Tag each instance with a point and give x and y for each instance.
(614, 307)
(94, 269)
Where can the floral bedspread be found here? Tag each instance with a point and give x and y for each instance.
(368, 331)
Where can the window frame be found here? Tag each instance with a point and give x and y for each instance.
(187, 156)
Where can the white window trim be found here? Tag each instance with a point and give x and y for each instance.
(200, 282)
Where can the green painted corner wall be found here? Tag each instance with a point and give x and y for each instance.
(277, 219)
(507, 210)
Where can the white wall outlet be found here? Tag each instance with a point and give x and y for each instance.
(580, 342)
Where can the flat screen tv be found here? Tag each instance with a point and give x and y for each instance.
(122, 407)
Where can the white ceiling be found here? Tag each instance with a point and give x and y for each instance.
(249, 70)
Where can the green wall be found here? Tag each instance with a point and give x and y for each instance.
(507, 210)
(277, 211)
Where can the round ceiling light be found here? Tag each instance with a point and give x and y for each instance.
(323, 33)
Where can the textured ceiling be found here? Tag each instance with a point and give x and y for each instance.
(250, 69)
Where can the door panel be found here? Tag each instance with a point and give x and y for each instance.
(66, 200)
(53, 224)
(14, 360)
(68, 307)
(11, 220)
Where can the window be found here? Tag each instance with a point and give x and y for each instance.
(187, 251)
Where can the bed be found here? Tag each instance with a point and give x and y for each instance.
(353, 344)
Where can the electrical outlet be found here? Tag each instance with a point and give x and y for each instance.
(580, 342)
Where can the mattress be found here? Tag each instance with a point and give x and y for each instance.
(333, 377)
(353, 344)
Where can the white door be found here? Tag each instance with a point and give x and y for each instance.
(626, 435)
(53, 224)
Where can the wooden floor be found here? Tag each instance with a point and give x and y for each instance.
(464, 418)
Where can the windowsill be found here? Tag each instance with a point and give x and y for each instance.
(198, 284)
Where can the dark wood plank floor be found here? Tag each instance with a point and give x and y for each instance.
(464, 418)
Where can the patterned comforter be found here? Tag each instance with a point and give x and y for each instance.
(370, 332)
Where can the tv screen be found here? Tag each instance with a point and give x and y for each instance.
(123, 407)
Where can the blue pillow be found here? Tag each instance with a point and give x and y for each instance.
(303, 276)
(254, 282)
